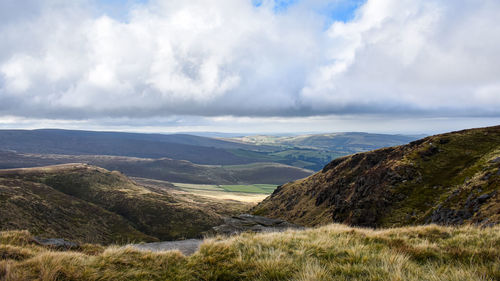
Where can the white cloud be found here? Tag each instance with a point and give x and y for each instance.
(226, 57)
(421, 55)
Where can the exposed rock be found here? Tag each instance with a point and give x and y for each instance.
(246, 222)
(56, 243)
(449, 216)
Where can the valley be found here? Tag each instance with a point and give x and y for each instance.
(397, 213)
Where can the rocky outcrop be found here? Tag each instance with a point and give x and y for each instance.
(250, 223)
(449, 216)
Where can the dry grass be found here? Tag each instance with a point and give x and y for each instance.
(333, 252)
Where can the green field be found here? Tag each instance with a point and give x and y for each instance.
(240, 188)
(253, 188)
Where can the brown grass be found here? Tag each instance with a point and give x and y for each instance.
(333, 252)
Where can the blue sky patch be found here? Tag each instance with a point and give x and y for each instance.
(342, 10)
(117, 9)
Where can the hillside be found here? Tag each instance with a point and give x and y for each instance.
(166, 169)
(452, 178)
(90, 204)
(333, 252)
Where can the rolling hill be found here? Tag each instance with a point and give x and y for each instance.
(166, 169)
(90, 204)
(452, 178)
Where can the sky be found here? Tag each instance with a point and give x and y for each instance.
(250, 66)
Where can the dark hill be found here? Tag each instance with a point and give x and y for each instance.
(200, 150)
(452, 178)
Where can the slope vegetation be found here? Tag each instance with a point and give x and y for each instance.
(333, 252)
(90, 204)
(452, 178)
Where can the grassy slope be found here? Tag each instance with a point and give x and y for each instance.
(85, 195)
(437, 179)
(45, 211)
(333, 252)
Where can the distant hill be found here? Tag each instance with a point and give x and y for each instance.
(452, 178)
(196, 149)
(349, 142)
(316, 150)
(89, 204)
(166, 169)
(309, 151)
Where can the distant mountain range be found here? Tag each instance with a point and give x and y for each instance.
(309, 151)
(452, 178)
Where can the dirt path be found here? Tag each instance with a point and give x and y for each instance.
(187, 247)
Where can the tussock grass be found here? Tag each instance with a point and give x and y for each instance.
(332, 252)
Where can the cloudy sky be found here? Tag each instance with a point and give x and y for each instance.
(404, 66)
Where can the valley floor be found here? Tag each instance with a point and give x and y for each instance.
(332, 252)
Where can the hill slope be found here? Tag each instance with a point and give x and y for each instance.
(46, 211)
(90, 204)
(451, 178)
